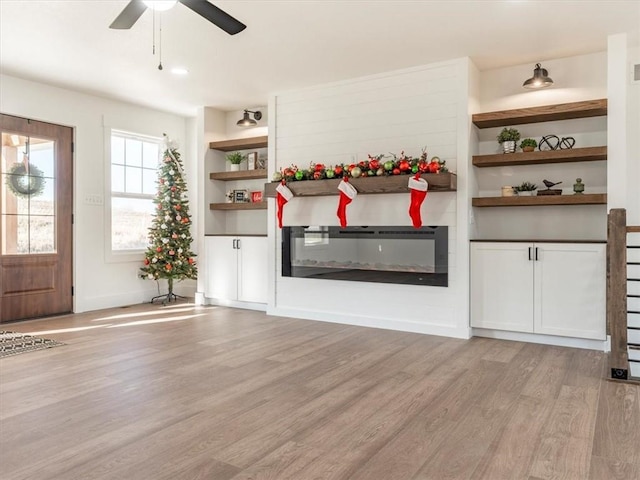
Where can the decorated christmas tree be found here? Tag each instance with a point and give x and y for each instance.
(169, 253)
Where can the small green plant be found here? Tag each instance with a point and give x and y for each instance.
(508, 135)
(526, 187)
(528, 142)
(235, 158)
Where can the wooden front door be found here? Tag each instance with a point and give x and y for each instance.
(36, 202)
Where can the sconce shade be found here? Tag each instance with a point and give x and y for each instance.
(246, 121)
(540, 78)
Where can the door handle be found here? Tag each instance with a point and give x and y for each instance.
(530, 253)
(536, 254)
(234, 243)
(238, 244)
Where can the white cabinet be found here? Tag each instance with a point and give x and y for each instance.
(545, 288)
(236, 268)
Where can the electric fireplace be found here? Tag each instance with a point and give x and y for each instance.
(382, 254)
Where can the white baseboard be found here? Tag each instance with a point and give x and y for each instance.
(372, 322)
(261, 307)
(601, 345)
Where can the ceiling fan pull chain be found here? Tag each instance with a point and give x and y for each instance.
(160, 42)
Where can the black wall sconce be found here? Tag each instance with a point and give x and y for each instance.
(249, 122)
(540, 78)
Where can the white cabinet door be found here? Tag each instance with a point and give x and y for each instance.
(222, 271)
(570, 290)
(502, 286)
(252, 265)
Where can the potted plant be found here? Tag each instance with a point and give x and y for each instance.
(235, 159)
(526, 189)
(508, 138)
(528, 145)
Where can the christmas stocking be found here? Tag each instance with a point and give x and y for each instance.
(418, 188)
(283, 195)
(347, 193)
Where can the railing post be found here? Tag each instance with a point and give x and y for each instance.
(617, 292)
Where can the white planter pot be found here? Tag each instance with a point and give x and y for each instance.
(509, 146)
(530, 193)
(235, 167)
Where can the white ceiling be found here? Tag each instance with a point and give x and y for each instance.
(288, 44)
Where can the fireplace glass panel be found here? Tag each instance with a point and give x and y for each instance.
(384, 254)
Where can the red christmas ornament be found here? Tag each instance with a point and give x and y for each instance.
(178, 207)
(374, 164)
(338, 170)
(174, 236)
(168, 266)
(404, 165)
(317, 175)
(190, 261)
(146, 261)
(396, 171)
(319, 167)
(158, 249)
(172, 252)
(173, 189)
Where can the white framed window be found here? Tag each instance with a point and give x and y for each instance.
(132, 184)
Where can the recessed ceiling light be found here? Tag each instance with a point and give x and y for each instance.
(179, 71)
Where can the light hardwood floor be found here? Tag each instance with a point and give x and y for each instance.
(184, 392)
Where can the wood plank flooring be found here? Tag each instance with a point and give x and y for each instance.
(184, 392)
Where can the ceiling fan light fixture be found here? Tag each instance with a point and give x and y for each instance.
(160, 5)
(540, 78)
(246, 121)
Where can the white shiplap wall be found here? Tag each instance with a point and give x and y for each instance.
(341, 123)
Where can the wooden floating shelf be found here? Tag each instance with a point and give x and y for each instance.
(241, 175)
(587, 154)
(584, 199)
(238, 206)
(438, 182)
(239, 144)
(547, 113)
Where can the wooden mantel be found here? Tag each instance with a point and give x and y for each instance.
(438, 182)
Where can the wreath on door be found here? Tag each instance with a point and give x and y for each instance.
(25, 180)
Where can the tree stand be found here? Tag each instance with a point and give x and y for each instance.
(169, 296)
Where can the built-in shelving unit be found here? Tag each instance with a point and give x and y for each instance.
(587, 154)
(438, 182)
(238, 206)
(239, 144)
(541, 200)
(241, 175)
(547, 113)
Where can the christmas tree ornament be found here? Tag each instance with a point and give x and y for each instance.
(347, 193)
(283, 195)
(418, 190)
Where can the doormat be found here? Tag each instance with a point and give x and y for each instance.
(12, 343)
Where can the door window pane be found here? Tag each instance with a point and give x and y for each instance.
(117, 178)
(133, 180)
(133, 153)
(117, 150)
(150, 154)
(27, 195)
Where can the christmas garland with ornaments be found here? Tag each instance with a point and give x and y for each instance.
(374, 166)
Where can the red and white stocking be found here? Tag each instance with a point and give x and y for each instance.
(418, 188)
(283, 195)
(347, 193)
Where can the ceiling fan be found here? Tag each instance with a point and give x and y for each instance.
(135, 8)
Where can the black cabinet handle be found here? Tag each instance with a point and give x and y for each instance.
(234, 243)
(536, 254)
(238, 244)
(529, 253)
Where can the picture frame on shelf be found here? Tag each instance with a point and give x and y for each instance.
(240, 196)
(256, 197)
(252, 159)
(261, 163)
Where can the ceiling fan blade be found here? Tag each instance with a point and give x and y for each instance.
(129, 16)
(216, 16)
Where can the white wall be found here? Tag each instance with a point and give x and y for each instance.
(343, 122)
(98, 283)
(577, 78)
(624, 125)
